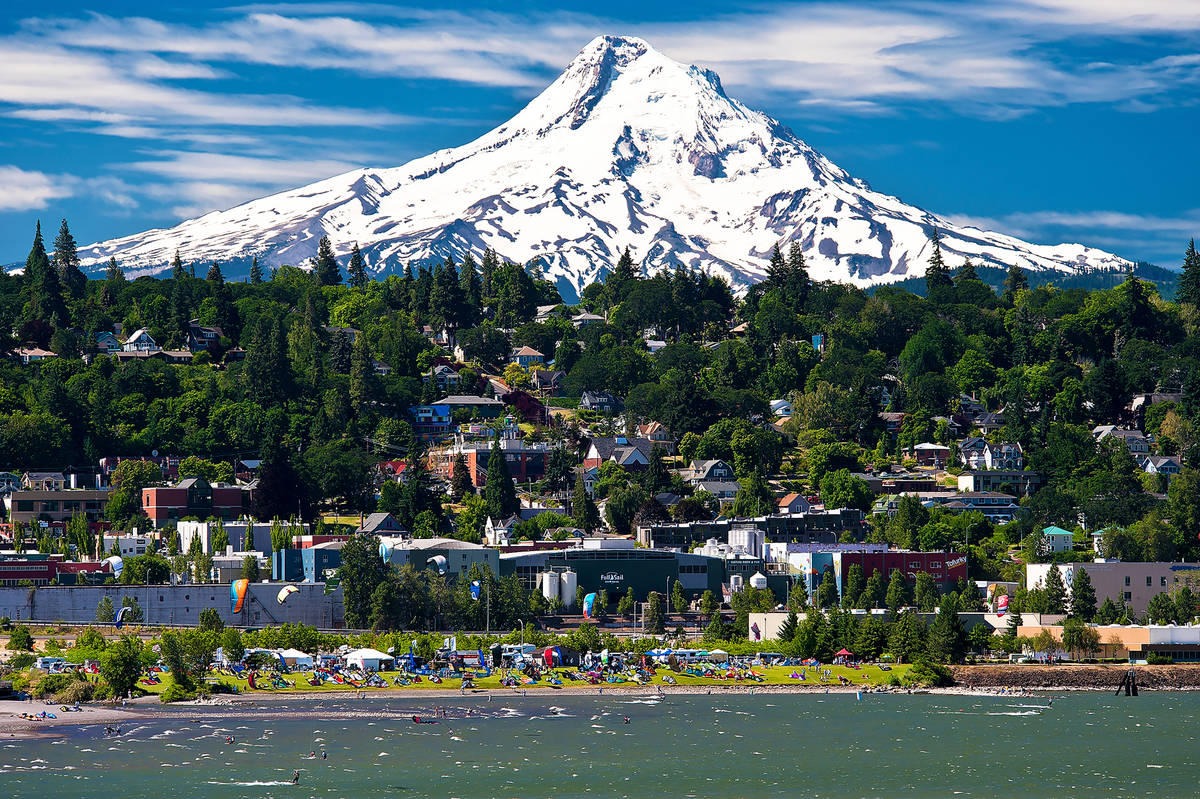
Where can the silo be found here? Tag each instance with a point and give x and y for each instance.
(570, 581)
(758, 580)
(550, 586)
(735, 583)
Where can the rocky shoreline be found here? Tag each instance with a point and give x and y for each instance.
(1078, 677)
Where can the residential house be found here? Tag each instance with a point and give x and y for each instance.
(140, 341)
(44, 481)
(548, 382)
(583, 319)
(546, 312)
(1169, 465)
(1006, 457)
(350, 333)
(600, 402)
(658, 434)
(927, 454)
(498, 532)
(396, 471)
(1134, 440)
(202, 337)
(108, 343)
(28, 355)
(988, 422)
(431, 422)
(9, 482)
(708, 470)
(997, 508)
(55, 504)
(444, 377)
(723, 490)
(525, 462)
(526, 357)
(384, 524)
(1019, 483)
(891, 421)
(781, 407)
(478, 407)
(590, 475)
(1056, 539)
(633, 452)
(794, 503)
(971, 452)
(1143, 401)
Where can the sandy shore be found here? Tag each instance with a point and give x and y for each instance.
(13, 726)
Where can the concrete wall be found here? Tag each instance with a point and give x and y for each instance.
(1109, 579)
(178, 604)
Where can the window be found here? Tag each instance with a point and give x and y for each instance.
(1162, 581)
(1149, 581)
(1128, 596)
(1126, 579)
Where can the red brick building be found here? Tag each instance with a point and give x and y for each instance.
(192, 497)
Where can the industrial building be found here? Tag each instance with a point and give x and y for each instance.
(1135, 583)
(826, 527)
(460, 555)
(616, 565)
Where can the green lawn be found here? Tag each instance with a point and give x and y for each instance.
(774, 675)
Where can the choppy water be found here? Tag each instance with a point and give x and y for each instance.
(683, 746)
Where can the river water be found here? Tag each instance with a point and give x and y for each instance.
(821, 745)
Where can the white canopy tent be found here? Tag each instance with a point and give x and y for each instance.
(369, 659)
(295, 659)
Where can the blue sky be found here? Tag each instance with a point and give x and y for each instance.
(1054, 120)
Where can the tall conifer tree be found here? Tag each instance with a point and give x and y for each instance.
(357, 269)
(66, 259)
(1189, 281)
(325, 267)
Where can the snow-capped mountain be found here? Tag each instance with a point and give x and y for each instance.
(626, 148)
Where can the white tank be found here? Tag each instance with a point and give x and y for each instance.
(735, 583)
(550, 586)
(758, 580)
(570, 581)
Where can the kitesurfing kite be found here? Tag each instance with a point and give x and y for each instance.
(237, 595)
(286, 592)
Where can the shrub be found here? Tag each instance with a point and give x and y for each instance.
(52, 684)
(22, 661)
(928, 674)
(1155, 659)
(78, 691)
(102, 691)
(174, 693)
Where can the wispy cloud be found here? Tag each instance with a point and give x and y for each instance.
(31, 190)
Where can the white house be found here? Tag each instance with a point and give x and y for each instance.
(140, 341)
(1058, 539)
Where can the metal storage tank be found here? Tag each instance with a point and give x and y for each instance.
(758, 580)
(550, 586)
(570, 581)
(735, 583)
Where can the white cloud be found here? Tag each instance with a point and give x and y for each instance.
(22, 190)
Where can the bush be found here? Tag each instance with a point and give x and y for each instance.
(53, 684)
(928, 674)
(174, 693)
(1155, 659)
(78, 691)
(22, 661)
(102, 692)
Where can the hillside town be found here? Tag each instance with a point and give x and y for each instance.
(682, 458)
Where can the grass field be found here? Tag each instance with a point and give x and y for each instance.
(868, 676)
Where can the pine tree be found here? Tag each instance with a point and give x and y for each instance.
(66, 259)
(1189, 280)
(937, 274)
(460, 478)
(1056, 591)
(586, 515)
(487, 270)
(798, 280)
(1015, 281)
(325, 266)
(618, 282)
(787, 630)
(362, 373)
(256, 272)
(357, 269)
(44, 291)
(966, 272)
(777, 269)
(214, 275)
(114, 273)
(827, 596)
(947, 640)
(1083, 595)
(926, 593)
(856, 583)
(1013, 624)
(897, 592)
(177, 271)
(471, 291)
(499, 493)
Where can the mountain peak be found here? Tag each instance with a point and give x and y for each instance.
(627, 147)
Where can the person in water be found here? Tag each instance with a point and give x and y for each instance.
(627, 719)
(296, 777)
(323, 755)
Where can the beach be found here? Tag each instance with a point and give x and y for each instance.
(13, 726)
